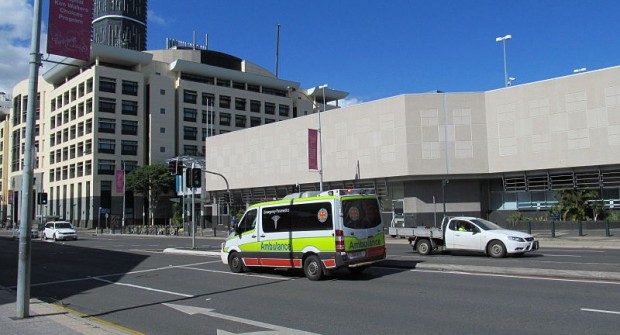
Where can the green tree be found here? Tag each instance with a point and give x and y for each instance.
(151, 181)
(573, 204)
(177, 215)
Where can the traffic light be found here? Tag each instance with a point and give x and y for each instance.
(41, 198)
(188, 178)
(196, 177)
(176, 168)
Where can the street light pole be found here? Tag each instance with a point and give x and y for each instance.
(124, 192)
(503, 40)
(321, 142)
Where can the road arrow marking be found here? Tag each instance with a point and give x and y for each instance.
(191, 310)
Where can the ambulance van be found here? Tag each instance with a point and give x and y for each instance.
(316, 232)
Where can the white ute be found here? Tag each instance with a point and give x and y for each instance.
(468, 234)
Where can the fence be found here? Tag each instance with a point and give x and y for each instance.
(567, 228)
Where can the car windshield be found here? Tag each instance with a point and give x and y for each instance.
(63, 225)
(486, 225)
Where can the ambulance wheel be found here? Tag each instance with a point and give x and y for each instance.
(313, 268)
(235, 263)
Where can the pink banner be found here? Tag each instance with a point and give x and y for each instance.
(313, 136)
(70, 26)
(119, 181)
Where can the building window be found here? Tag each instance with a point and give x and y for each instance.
(162, 130)
(224, 101)
(240, 121)
(255, 106)
(223, 82)
(130, 107)
(162, 111)
(130, 87)
(107, 125)
(268, 121)
(190, 97)
(253, 88)
(254, 121)
(129, 148)
(107, 84)
(240, 104)
(107, 105)
(189, 133)
(270, 108)
(162, 92)
(283, 110)
(106, 166)
(224, 119)
(129, 127)
(238, 85)
(190, 150)
(106, 146)
(189, 114)
(208, 99)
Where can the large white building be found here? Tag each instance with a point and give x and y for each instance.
(126, 108)
(486, 154)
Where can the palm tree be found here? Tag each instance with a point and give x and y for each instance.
(573, 204)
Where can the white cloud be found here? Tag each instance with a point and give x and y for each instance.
(349, 102)
(15, 31)
(152, 17)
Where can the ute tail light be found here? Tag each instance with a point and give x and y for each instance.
(339, 241)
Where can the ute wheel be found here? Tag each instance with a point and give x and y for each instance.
(424, 247)
(313, 268)
(235, 263)
(496, 249)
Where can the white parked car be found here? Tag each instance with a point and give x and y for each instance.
(34, 233)
(59, 230)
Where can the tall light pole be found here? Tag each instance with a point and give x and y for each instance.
(322, 87)
(503, 40)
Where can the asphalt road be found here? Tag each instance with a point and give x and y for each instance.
(129, 281)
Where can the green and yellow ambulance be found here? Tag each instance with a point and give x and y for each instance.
(315, 231)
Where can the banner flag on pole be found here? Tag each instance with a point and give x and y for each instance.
(69, 28)
(119, 181)
(313, 136)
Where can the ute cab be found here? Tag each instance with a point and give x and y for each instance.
(316, 232)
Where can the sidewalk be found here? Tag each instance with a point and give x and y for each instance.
(51, 319)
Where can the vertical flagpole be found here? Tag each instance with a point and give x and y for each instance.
(23, 268)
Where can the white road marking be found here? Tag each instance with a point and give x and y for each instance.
(238, 274)
(144, 288)
(191, 310)
(599, 311)
(518, 276)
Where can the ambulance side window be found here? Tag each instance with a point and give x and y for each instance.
(248, 222)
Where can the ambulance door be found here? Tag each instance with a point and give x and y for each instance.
(246, 232)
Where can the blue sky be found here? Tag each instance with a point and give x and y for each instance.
(377, 49)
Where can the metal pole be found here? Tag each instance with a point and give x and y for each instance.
(321, 142)
(193, 213)
(23, 270)
(505, 66)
